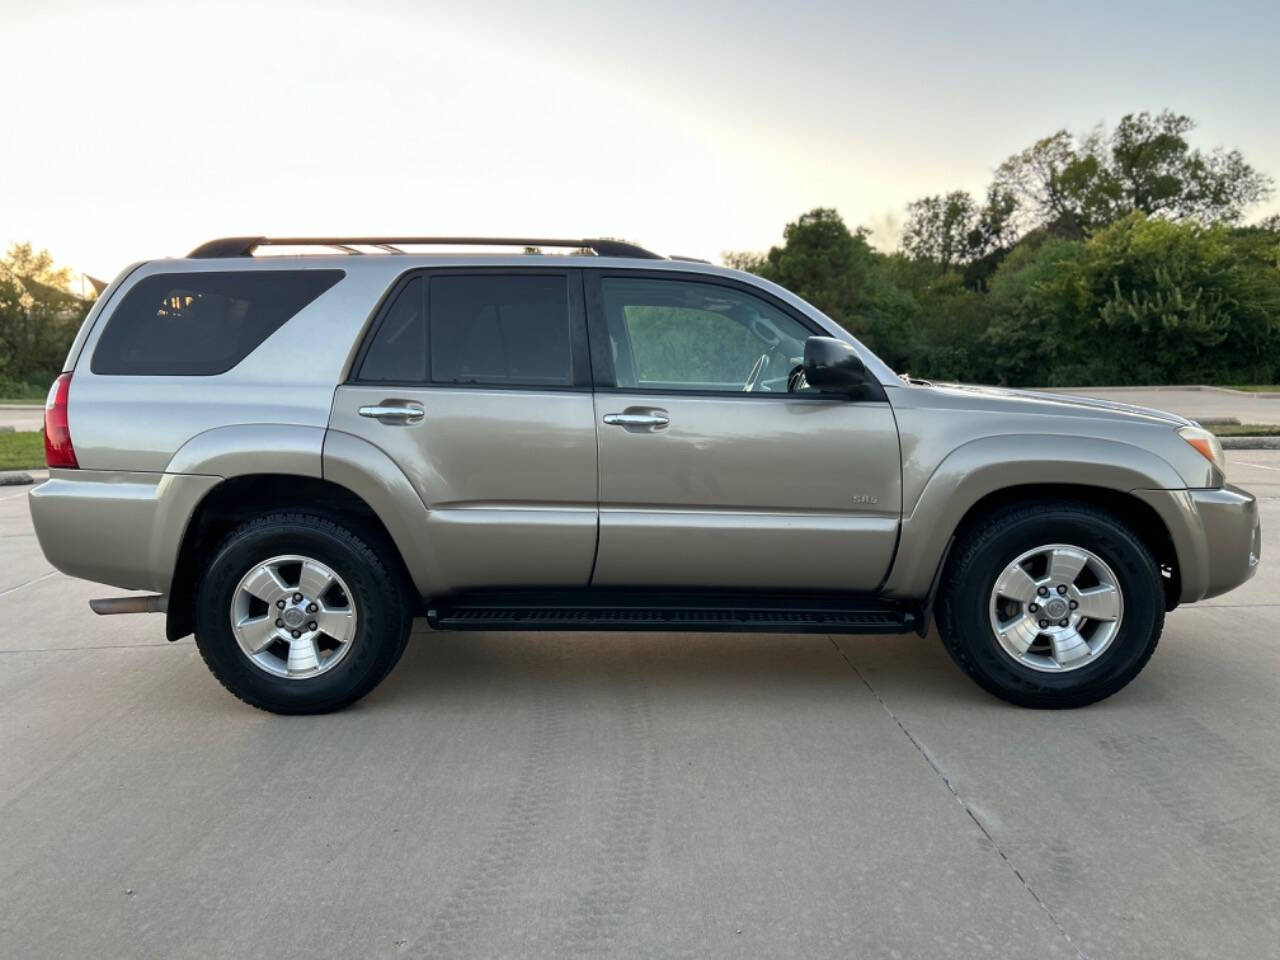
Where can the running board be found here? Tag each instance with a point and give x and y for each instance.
(648, 610)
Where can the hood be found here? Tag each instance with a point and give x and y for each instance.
(1067, 403)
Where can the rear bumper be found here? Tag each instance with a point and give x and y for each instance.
(122, 529)
(1216, 534)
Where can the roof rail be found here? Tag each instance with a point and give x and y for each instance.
(244, 246)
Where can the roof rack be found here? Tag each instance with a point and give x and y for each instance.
(244, 246)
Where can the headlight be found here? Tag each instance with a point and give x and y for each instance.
(1207, 445)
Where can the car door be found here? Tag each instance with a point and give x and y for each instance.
(712, 474)
(477, 384)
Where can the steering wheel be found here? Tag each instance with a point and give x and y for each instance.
(754, 375)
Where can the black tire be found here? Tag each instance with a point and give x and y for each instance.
(981, 555)
(385, 614)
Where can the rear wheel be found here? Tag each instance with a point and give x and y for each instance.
(1052, 604)
(297, 614)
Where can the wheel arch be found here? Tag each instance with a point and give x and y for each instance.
(981, 476)
(1131, 509)
(241, 498)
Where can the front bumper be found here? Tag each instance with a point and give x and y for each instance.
(1232, 537)
(1216, 535)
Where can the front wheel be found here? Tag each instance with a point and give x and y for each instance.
(296, 614)
(1052, 604)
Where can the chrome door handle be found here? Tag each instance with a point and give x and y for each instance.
(636, 419)
(391, 411)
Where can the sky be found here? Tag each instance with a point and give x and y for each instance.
(135, 130)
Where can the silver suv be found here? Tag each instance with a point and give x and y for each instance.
(300, 452)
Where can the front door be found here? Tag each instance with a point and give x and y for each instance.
(476, 383)
(713, 474)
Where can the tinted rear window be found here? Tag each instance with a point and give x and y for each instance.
(200, 324)
(481, 329)
(500, 330)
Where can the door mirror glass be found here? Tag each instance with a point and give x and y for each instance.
(833, 366)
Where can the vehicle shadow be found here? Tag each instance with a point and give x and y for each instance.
(704, 665)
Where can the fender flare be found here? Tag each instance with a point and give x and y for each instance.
(284, 450)
(988, 465)
(243, 449)
(323, 454)
(369, 473)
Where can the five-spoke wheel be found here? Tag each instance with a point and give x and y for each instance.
(1051, 603)
(1056, 607)
(299, 614)
(293, 616)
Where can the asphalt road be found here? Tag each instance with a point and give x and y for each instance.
(700, 796)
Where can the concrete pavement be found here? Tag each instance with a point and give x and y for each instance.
(22, 416)
(683, 795)
(1194, 402)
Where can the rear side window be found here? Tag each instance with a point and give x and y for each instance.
(398, 352)
(479, 329)
(201, 324)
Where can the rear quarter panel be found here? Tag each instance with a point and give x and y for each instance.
(138, 423)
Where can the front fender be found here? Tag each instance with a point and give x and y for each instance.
(987, 465)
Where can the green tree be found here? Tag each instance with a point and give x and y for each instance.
(39, 316)
(1144, 300)
(823, 261)
(1146, 164)
(953, 230)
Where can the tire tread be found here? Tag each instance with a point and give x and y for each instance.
(400, 616)
(978, 537)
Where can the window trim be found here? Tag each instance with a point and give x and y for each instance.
(605, 377)
(580, 366)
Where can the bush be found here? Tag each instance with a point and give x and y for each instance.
(1141, 301)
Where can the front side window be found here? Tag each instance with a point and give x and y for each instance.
(478, 329)
(202, 324)
(691, 336)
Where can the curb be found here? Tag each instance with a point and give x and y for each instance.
(15, 478)
(1250, 443)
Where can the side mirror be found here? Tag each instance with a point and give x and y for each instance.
(833, 366)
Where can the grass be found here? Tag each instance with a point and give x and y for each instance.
(1247, 430)
(1260, 388)
(23, 450)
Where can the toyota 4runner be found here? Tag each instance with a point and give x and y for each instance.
(300, 452)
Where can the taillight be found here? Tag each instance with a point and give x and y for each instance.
(58, 451)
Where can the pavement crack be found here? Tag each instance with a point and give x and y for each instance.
(27, 583)
(995, 844)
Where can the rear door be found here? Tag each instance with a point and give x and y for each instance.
(477, 384)
(713, 474)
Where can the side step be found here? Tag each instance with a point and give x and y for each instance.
(606, 610)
